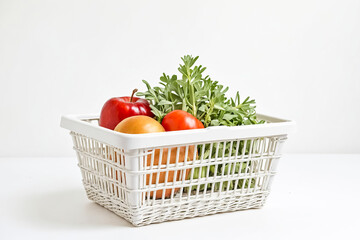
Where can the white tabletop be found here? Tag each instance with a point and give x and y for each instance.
(313, 197)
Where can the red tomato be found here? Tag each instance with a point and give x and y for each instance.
(180, 120)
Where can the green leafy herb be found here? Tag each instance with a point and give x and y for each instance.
(205, 99)
(199, 95)
(222, 150)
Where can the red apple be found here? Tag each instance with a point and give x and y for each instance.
(118, 108)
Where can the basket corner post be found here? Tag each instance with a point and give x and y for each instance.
(133, 164)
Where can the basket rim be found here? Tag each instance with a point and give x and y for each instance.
(79, 123)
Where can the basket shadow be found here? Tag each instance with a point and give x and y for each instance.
(67, 209)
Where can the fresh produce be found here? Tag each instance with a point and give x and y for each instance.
(199, 95)
(192, 100)
(204, 99)
(225, 169)
(144, 124)
(172, 175)
(118, 108)
(139, 124)
(180, 120)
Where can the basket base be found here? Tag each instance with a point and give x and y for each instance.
(155, 214)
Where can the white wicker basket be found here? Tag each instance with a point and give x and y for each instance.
(156, 177)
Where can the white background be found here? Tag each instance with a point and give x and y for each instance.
(298, 59)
